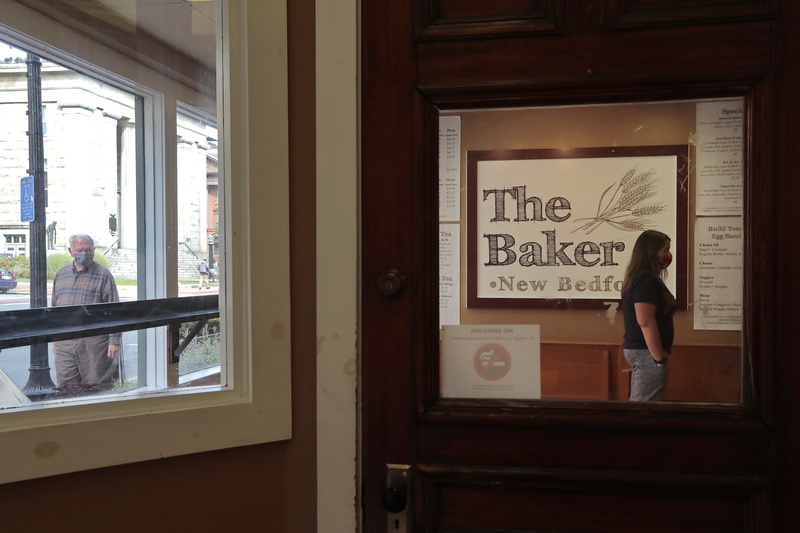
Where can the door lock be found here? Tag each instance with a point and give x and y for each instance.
(395, 497)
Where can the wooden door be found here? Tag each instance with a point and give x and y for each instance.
(501, 465)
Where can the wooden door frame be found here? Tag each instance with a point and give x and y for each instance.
(387, 138)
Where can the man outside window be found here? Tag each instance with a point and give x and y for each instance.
(203, 269)
(89, 361)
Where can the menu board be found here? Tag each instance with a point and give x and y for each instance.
(718, 140)
(718, 273)
(449, 169)
(449, 274)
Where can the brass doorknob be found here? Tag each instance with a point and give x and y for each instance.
(391, 283)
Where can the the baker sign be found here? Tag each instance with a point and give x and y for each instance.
(548, 226)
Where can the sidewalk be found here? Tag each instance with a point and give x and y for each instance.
(127, 292)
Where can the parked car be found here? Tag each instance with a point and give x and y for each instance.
(8, 280)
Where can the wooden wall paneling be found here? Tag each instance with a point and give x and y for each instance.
(627, 14)
(448, 19)
(685, 55)
(583, 17)
(459, 11)
(464, 499)
(698, 373)
(621, 377)
(578, 370)
(546, 509)
(570, 372)
(660, 440)
(443, 19)
(705, 374)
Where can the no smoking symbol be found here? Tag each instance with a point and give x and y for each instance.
(492, 362)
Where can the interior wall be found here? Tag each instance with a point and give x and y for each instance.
(337, 263)
(270, 486)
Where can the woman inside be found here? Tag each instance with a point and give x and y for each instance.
(648, 307)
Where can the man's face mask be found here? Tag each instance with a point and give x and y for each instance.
(83, 259)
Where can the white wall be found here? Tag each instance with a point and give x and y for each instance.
(337, 262)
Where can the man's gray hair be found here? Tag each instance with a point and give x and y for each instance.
(80, 236)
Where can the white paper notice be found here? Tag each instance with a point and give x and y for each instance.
(449, 169)
(718, 138)
(718, 273)
(449, 274)
(491, 362)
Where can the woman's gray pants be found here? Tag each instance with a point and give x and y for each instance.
(648, 380)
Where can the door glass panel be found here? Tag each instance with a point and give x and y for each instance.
(540, 212)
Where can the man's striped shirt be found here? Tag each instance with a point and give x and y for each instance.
(92, 285)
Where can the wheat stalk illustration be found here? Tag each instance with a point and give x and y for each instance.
(626, 209)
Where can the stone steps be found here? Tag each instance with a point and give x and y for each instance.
(123, 264)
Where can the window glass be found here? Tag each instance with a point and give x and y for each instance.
(199, 241)
(151, 210)
(540, 212)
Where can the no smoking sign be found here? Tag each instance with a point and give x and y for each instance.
(492, 362)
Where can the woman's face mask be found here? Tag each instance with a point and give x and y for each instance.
(664, 260)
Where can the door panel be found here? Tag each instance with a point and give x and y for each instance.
(599, 438)
(487, 507)
(551, 465)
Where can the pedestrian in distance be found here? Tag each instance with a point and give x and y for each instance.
(203, 268)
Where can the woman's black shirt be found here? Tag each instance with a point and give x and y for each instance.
(649, 288)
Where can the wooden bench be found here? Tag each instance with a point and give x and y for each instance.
(705, 373)
(577, 371)
(698, 373)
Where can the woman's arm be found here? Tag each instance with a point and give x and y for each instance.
(646, 318)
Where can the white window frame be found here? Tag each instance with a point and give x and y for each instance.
(255, 307)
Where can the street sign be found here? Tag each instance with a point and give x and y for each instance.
(26, 210)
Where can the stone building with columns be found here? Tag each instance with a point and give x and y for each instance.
(92, 179)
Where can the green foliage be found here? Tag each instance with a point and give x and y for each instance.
(123, 386)
(204, 349)
(199, 355)
(103, 260)
(56, 261)
(19, 265)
